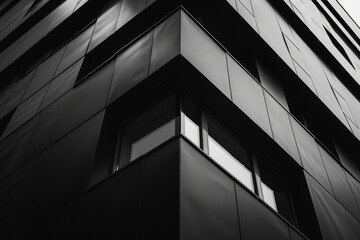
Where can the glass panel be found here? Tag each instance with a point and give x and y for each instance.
(230, 164)
(152, 140)
(269, 196)
(191, 130)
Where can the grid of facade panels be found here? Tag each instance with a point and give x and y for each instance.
(179, 119)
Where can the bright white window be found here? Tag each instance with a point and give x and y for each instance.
(230, 164)
(269, 196)
(191, 130)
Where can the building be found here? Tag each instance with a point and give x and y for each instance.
(182, 119)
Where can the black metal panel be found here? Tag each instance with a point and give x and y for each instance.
(12, 149)
(72, 109)
(75, 49)
(111, 209)
(61, 84)
(11, 191)
(57, 176)
(18, 93)
(105, 26)
(62, 171)
(335, 222)
(44, 73)
(159, 209)
(166, 42)
(257, 221)
(129, 9)
(208, 203)
(132, 66)
(58, 224)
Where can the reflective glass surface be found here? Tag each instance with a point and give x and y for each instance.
(230, 164)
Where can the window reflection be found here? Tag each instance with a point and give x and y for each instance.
(269, 196)
(146, 131)
(230, 164)
(191, 130)
(152, 140)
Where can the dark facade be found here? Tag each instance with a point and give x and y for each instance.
(182, 119)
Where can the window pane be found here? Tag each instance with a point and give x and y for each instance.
(152, 139)
(230, 164)
(191, 130)
(269, 196)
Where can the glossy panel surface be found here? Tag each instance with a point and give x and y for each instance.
(44, 73)
(248, 95)
(75, 49)
(281, 128)
(132, 66)
(310, 155)
(208, 203)
(256, 220)
(201, 51)
(166, 42)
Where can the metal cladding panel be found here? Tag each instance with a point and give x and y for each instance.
(129, 9)
(57, 176)
(295, 235)
(269, 29)
(281, 128)
(75, 49)
(206, 55)
(310, 155)
(44, 73)
(18, 93)
(11, 191)
(335, 222)
(105, 26)
(207, 202)
(248, 95)
(355, 187)
(61, 84)
(132, 66)
(159, 208)
(110, 210)
(12, 149)
(61, 13)
(166, 42)
(61, 172)
(340, 184)
(257, 221)
(72, 109)
(25, 112)
(61, 222)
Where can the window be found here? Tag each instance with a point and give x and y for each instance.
(230, 163)
(144, 132)
(274, 189)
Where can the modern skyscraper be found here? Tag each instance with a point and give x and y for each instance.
(179, 119)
